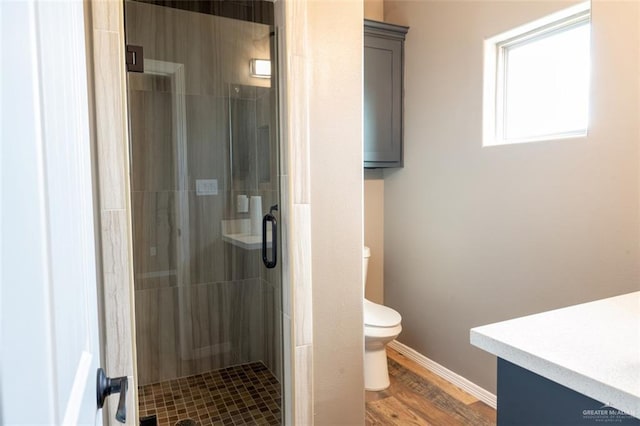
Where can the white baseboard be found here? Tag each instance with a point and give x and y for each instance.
(459, 381)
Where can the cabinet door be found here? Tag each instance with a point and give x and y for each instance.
(382, 102)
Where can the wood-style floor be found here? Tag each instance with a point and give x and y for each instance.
(419, 397)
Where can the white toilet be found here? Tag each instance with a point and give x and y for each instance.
(381, 325)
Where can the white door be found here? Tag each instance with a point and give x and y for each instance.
(49, 341)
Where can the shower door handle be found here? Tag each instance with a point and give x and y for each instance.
(269, 217)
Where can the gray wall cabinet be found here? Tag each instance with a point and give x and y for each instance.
(383, 93)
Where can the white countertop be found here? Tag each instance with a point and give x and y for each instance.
(592, 348)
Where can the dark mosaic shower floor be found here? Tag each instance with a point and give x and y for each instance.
(241, 395)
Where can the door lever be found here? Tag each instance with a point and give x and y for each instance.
(106, 386)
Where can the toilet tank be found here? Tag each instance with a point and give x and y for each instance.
(366, 253)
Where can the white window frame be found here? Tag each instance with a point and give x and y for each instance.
(495, 67)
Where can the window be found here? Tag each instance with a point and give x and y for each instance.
(537, 80)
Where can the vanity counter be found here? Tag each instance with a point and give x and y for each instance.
(591, 348)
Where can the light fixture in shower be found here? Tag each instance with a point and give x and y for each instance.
(260, 68)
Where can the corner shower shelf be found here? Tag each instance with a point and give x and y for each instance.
(237, 232)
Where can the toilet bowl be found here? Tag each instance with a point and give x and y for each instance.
(381, 326)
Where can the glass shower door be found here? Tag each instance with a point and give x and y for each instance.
(204, 173)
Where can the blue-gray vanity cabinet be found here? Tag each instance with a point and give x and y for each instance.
(383, 93)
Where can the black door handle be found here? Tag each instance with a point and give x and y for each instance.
(105, 386)
(269, 217)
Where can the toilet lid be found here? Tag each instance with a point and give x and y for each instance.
(380, 316)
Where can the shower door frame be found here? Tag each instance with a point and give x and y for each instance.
(108, 97)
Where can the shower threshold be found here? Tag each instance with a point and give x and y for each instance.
(246, 394)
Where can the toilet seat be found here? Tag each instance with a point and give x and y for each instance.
(380, 316)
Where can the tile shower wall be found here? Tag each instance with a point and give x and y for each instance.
(219, 306)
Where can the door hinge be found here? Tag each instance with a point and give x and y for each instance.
(134, 58)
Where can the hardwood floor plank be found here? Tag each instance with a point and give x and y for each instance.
(426, 410)
(372, 419)
(448, 387)
(375, 396)
(437, 396)
(395, 412)
(418, 396)
(488, 412)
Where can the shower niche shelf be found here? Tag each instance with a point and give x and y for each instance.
(238, 233)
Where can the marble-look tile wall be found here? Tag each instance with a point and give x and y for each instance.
(215, 50)
(201, 303)
(226, 326)
(323, 378)
(108, 89)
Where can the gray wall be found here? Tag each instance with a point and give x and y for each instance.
(476, 235)
(374, 233)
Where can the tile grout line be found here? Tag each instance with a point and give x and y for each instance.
(242, 394)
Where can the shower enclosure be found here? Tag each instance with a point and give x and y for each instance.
(204, 179)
